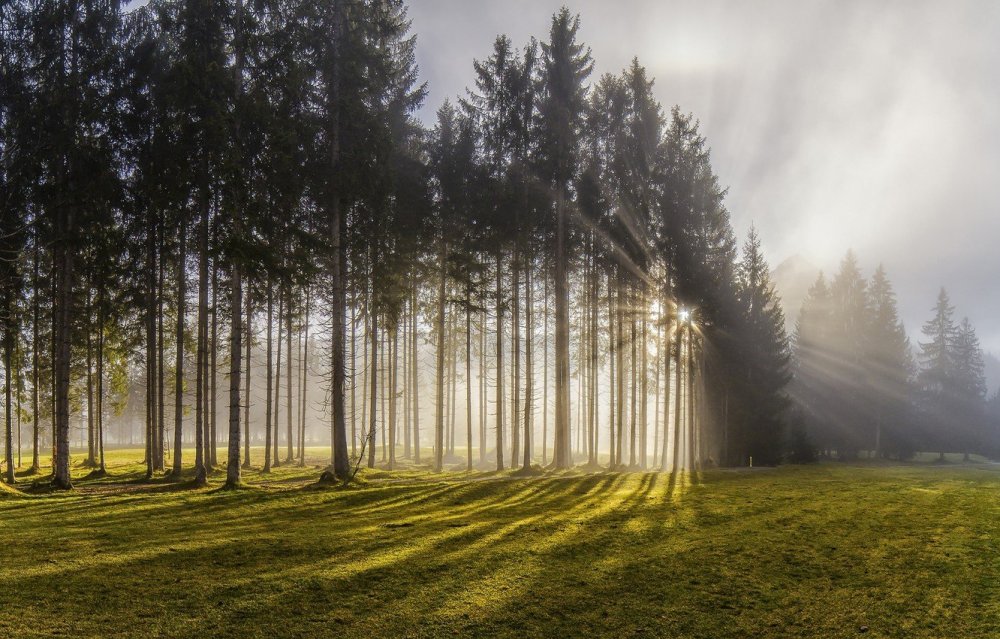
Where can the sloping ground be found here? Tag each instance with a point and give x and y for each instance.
(830, 551)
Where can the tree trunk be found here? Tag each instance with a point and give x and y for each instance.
(528, 370)
(91, 460)
(612, 381)
(290, 443)
(8, 357)
(439, 399)
(179, 363)
(246, 397)
(679, 339)
(212, 459)
(515, 430)
(374, 391)
(35, 325)
(305, 382)
(235, 367)
(200, 418)
(499, 347)
(633, 360)
(269, 374)
(275, 448)
(545, 368)
(338, 305)
(100, 382)
(393, 378)
(161, 381)
(468, 376)
(416, 384)
(562, 456)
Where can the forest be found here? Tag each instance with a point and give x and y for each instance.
(213, 207)
(227, 211)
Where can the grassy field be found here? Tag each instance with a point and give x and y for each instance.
(822, 551)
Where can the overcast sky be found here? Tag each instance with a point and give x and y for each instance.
(867, 125)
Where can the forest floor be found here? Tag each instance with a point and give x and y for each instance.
(829, 550)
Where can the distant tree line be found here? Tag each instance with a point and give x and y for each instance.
(860, 385)
(190, 188)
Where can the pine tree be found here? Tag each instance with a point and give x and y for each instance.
(937, 365)
(888, 368)
(765, 358)
(566, 66)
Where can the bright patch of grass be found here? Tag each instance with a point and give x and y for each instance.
(829, 550)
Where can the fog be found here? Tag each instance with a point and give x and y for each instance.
(836, 125)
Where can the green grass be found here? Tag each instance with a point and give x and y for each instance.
(821, 551)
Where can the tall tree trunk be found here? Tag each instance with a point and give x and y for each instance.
(8, 359)
(275, 449)
(290, 443)
(612, 381)
(393, 378)
(161, 379)
(453, 403)
(528, 366)
(407, 449)
(62, 269)
(233, 477)
(91, 460)
(439, 400)
(374, 391)
(633, 360)
(515, 429)
(212, 459)
(35, 357)
(656, 390)
(305, 381)
(692, 453)
(416, 382)
(179, 363)
(644, 390)
(246, 397)
(100, 381)
(468, 375)
(594, 405)
(679, 339)
(482, 386)
(337, 226)
(562, 456)
(364, 372)
(269, 339)
(545, 368)
(500, 373)
(200, 417)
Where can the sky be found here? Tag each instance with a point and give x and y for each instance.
(869, 125)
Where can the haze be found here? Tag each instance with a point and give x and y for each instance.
(836, 125)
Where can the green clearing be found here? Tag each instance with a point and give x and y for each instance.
(826, 550)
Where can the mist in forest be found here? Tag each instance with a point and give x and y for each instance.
(835, 125)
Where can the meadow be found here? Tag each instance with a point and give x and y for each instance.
(831, 550)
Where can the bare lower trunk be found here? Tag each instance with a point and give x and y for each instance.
(235, 368)
(246, 396)
(468, 376)
(562, 456)
(179, 363)
(269, 345)
(440, 365)
(499, 347)
(528, 369)
(374, 392)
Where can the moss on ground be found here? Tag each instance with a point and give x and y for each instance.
(829, 550)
